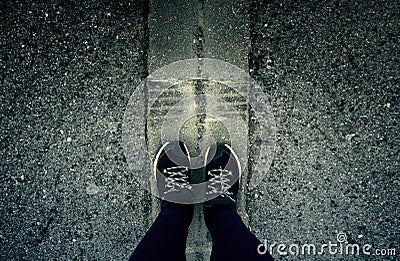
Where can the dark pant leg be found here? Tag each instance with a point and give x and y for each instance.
(166, 238)
(231, 238)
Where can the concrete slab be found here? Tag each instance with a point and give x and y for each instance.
(226, 31)
(172, 27)
(180, 30)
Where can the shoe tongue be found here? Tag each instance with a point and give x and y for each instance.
(177, 156)
(219, 162)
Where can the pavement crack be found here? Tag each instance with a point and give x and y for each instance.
(199, 84)
(199, 32)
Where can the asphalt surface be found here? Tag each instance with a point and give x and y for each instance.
(67, 72)
(332, 72)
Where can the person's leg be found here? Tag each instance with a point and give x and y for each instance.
(231, 238)
(166, 238)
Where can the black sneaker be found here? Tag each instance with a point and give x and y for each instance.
(171, 171)
(222, 174)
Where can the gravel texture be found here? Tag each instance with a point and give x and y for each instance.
(331, 70)
(67, 71)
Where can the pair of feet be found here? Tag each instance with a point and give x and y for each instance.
(172, 171)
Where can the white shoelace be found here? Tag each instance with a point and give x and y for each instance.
(176, 179)
(219, 182)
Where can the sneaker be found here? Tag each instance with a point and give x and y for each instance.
(171, 171)
(222, 174)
